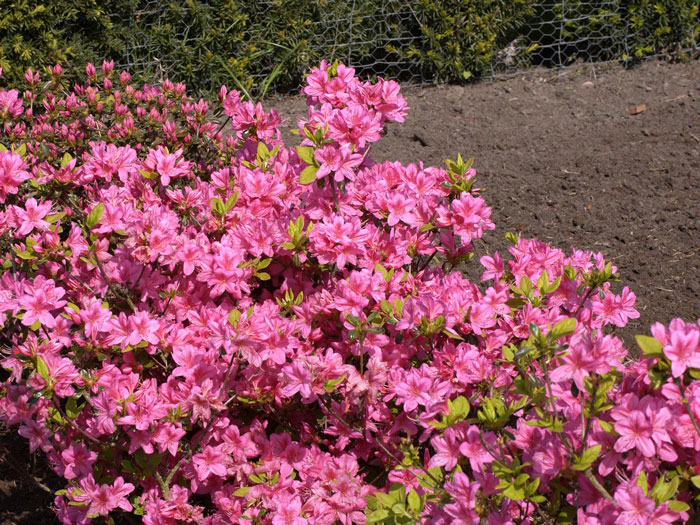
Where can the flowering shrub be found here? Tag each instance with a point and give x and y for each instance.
(210, 327)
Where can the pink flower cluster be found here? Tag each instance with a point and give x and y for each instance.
(202, 325)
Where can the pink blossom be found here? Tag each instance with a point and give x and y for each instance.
(683, 350)
(39, 299)
(95, 318)
(78, 460)
(104, 498)
(211, 461)
(167, 165)
(13, 171)
(31, 217)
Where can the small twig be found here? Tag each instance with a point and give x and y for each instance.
(335, 195)
(109, 283)
(76, 278)
(687, 408)
(600, 488)
(427, 262)
(585, 298)
(74, 426)
(223, 124)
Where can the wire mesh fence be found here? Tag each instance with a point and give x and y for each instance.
(390, 37)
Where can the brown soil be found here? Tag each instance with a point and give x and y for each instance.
(561, 159)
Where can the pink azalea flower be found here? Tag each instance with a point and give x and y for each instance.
(31, 217)
(78, 461)
(13, 172)
(288, 512)
(211, 461)
(167, 165)
(104, 498)
(683, 350)
(95, 318)
(635, 507)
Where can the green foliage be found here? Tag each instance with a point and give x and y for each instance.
(604, 29)
(663, 25)
(460, 37)
(258, 47)
(37, 34)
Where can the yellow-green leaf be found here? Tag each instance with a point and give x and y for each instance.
(308, 176)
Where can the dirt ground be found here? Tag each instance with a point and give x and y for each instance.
(601, 158)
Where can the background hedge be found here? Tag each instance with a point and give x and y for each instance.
(269, 45)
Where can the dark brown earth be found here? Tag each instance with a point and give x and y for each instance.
(560, 159)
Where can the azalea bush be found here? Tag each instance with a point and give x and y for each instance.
(203, 325)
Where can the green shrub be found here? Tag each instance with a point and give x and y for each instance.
(260, 46)
(663, 25)
(37, 34)
(458, 38)
(607, 29)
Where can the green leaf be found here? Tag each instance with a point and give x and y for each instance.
(664, 491)
(95, 215)
(231, 202)
(414, 502)
(643, 483)
(306, 153)
(459, 409)
(263, 276)
(377, 516)
(23, 255)
(263, 264)
(651, 347)
(515, 302)
(263, 152)
(233, 318)
(42, 369)
(330, 385)
(563, 328)
(452, 334)
(22, 150)
(65, 160)
(55, 217)
(514, 493)
(217, 207)
(72, 408)
(696, 481)
(526, 286)
(386, 306)
(241, 492)
(606, 426)
(587, 458)
(678, 506)
(512, 238)
(308, 176)
(385, 499)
